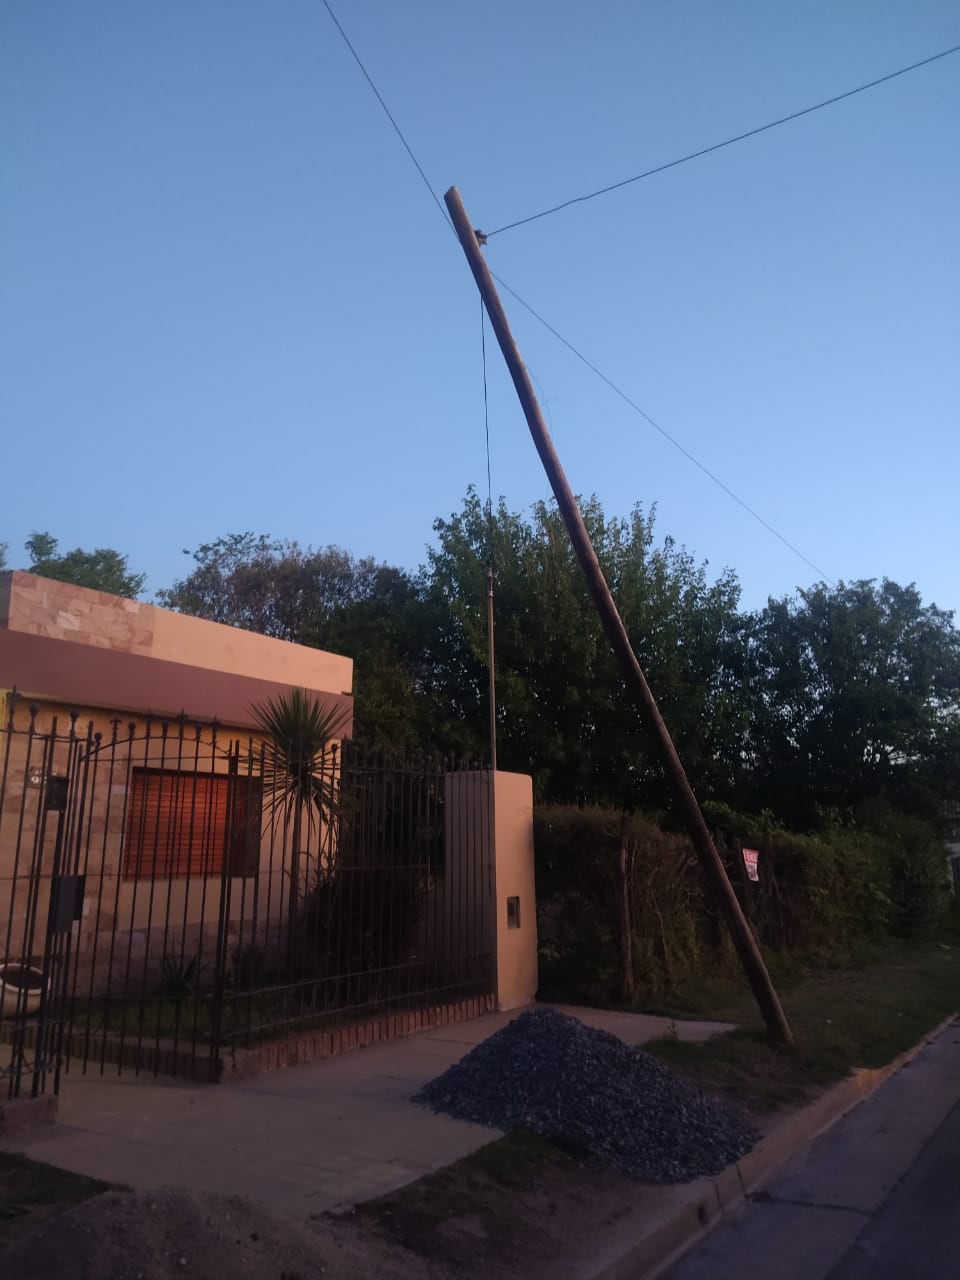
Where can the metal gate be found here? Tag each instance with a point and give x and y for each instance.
(172, 895)
(40, 898)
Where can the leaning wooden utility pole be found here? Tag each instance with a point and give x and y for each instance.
(778, 1028)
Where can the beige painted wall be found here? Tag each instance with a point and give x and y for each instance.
(483, 874)
(61, 611)
(179, 638)
(517, 967)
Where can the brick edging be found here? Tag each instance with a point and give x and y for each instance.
(298, 1050)
(141, 1055)
(167, 1058)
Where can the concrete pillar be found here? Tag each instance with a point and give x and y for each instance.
(489, 893)
(515, 889)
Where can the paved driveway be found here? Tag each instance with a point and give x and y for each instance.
(305, 1139)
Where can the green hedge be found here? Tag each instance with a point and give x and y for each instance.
(621, 906)
(624, 915)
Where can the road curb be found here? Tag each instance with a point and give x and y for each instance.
(647, 1243)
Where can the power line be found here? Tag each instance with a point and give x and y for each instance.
(663, 431)
(387, 112)
(443, 212)
(559, 336)
(727, 142)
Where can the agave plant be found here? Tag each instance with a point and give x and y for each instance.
(179, 977)
(299, 772)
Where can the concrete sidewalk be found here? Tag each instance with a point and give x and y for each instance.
(301, 1140)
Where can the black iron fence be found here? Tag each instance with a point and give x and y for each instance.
(169, 893)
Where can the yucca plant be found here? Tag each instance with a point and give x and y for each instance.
(179, 977)
(300, 782)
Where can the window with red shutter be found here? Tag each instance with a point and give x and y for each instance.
(185, 824)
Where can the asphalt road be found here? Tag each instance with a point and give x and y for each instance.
(917, 1231)
(875, 1198)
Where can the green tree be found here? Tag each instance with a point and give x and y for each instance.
(4, 547)
(277, 588)
(388, 630)
(856, 704)
(839, 704)
(564, 713)
(329, 599)
(102, 570)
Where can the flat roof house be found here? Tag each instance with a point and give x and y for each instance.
(135, 851)
(181, 893)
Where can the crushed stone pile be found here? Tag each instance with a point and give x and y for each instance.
(548, 1073)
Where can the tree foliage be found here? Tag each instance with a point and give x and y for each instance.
(834, 711)
(276, 588)
(835, 706)
(564, 713)
(856, 703)
(326, 598)
(102, 570)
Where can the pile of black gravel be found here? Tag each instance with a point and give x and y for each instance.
(552, 1075)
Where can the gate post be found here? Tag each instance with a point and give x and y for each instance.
(489, 903)
(515, 890)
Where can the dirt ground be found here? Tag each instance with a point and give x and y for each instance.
(523, 1208)
(168, 1234)
(518, 1208)
(31, 1191)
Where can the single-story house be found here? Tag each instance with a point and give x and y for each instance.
(145, 859)
(147, 717)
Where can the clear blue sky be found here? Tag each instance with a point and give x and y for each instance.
(229, 303)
